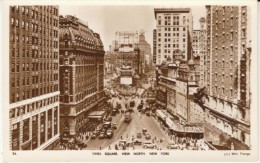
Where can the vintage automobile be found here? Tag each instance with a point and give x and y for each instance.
(139, 135)
(109, 134)
(149, 145)
(147, 136)
(148, 113)
(172, 146)
(137, 142)
(144, 130)
(102, 135)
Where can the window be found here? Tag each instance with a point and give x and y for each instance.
(231, 49)
(231, 65)
(184, 40)
(243, 33)
(223, 24)
(12, 21)
(231, 21)
(223, 91)
(231, 92)
(26, 26)
(17, 38)
(159, 34)
(223, 64)
(184, 28)
(243, 48)
(231, 35)
(223, 78)
(216, 89)
(231, 79)
(13, 69)
(216, 26)
(17, 23)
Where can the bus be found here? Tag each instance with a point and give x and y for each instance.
(128, 117)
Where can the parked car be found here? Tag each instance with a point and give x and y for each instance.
(114, 126)
(148, 113)
(124, 143)
(172, 146)
(147, 136)
(144, 130)
(94, 136)
(149, 145)
(109, 118)
(139, 135)
(102, 135)
(137, 142)
(110, 133)
(114, 111)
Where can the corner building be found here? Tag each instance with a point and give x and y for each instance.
(227, 68)
(81, 75)
(34, 80)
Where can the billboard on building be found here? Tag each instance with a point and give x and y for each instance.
(126, 80)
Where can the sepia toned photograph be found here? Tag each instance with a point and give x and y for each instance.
(130, 79)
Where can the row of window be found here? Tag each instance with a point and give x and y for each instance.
(35, 66)
(224, 77)
(175, 21)
(169, 40)
(15, 97)
(35, 54)
(35, 80)
(222, 91)
(25, 9)
(229, 50)
(169, 51)
(21, 110)
(35, 40)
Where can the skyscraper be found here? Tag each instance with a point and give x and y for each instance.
(81, 76)
(34, 79)
(173, 32)
(227, 72)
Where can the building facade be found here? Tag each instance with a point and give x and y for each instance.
(145, 52)
(125, 49)
(202, 50)
(34, 79)
(154, 46)
(195, 43)
(81, 75)
(227, 102)
(173, 31)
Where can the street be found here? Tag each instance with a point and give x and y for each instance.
(127, 130)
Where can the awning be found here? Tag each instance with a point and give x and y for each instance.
(160, 114)
(169, 122)
(96, 114)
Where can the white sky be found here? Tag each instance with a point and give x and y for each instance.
(106, 20)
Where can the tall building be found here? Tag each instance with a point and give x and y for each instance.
(195, 43)
(173, 31)
(126, 50)
(145, 52)
(81, 76)
(154, 46)
(227, 70)
(202, 50)
(34, 78)
(124, 38)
